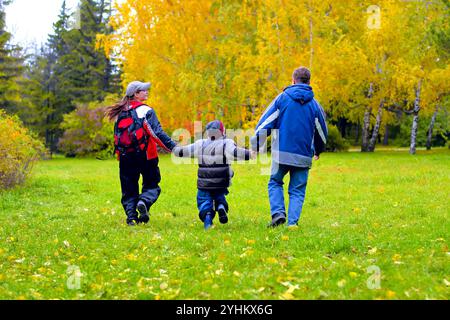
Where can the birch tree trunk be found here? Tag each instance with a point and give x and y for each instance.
(376, 129)
(415, 124)
(430, 128)
(366, 123)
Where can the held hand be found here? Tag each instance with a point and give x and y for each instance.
(316, 157)
(253, 155)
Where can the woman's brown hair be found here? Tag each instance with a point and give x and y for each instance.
(113, 111)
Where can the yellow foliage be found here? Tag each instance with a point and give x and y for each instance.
(228, 59)
(18, 151)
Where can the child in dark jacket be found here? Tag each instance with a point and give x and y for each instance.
(214, 173)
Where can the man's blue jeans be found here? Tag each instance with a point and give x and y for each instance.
(209, 201)
(297, 191)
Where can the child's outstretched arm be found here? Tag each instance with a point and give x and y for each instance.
(189, 151)
(233, 152)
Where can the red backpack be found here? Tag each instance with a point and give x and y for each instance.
(129, 133)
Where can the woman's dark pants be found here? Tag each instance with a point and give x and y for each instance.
(132, 166)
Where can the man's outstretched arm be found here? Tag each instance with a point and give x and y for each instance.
(268, 121)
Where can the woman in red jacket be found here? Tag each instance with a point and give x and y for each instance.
(137, 132)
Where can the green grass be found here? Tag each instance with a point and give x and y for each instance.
(386, 209)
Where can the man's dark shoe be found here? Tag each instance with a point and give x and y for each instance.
(277, 220)
(143, 212)
(223, 218)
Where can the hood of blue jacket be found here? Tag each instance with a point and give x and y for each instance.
(301, 93)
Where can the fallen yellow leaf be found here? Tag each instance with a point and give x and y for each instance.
(272, 260)
(341, 283)
(37, 277)
(42, 270)
(163, 286)
(390, 294)
(396, 257)
(287, 296)
(96, 286)
(131, 257)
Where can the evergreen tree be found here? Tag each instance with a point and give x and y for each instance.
(45, 99)
(69, 70)
(39, 98)
(88, 72)
(10, 66)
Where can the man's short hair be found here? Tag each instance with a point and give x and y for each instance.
(302, 75)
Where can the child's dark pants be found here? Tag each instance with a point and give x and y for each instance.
(209, 202)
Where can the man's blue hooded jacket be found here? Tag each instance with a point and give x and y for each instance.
(297, 124)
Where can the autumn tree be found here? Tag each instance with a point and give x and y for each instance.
(229, 59)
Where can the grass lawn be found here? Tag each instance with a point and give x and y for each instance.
(63, 234)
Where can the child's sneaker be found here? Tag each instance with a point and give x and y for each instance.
(223, 218)
(208, 221)
(132, 222)
(143, 212)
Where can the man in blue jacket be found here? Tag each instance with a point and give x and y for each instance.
(296, 122)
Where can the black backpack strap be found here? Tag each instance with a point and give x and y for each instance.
(137, 124)
(135, 118)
